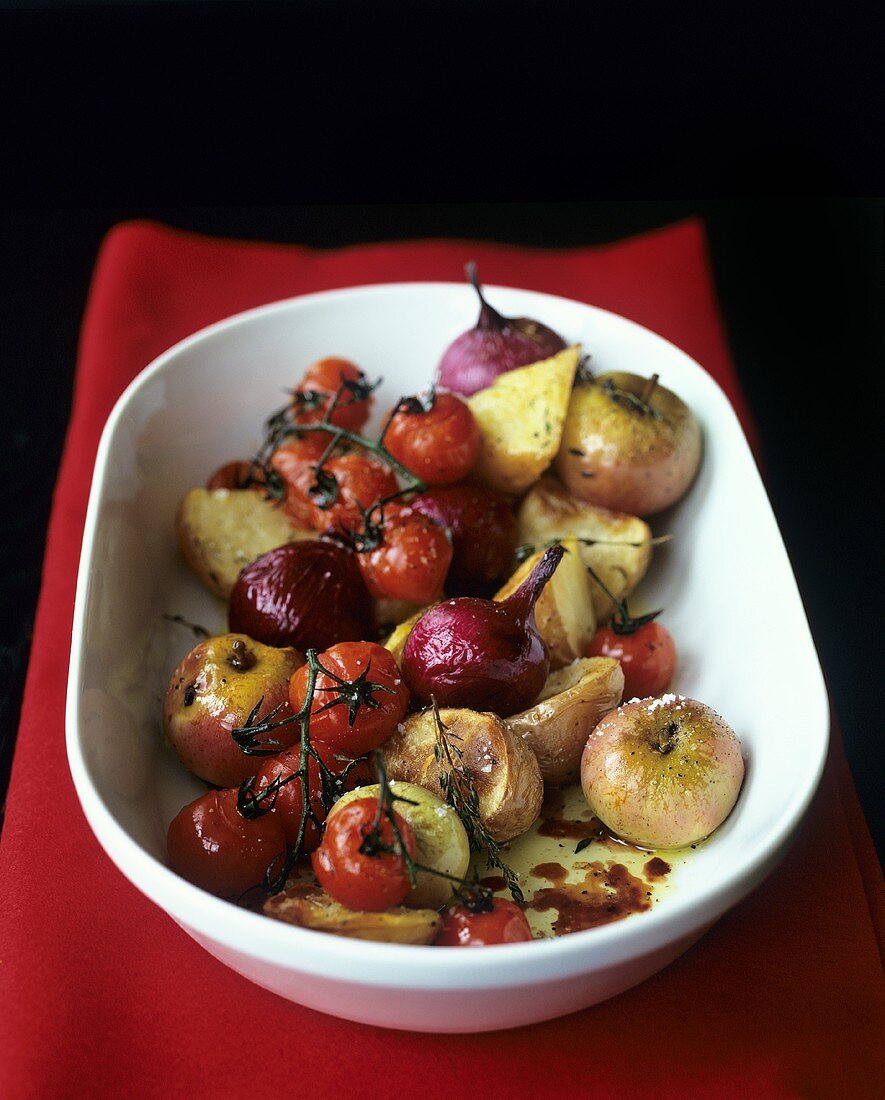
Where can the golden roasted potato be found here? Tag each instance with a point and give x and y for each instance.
(504, 769)
(521, 416)
(221, 530)
(310, 907)
(396, 643)
(564, 612)
(440, 839)
(621, 555)
(573, 701)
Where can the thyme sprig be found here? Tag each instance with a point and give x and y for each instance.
(622, 621)
(470, 892)
(459, 789)
(526, 549)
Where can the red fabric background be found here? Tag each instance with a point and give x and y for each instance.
(103, 995)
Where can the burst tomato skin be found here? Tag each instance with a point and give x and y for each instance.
(212, 845)
(319, 383)
(361, 483)
(295, 462)
(439, 445)
(412, 561)
(331, 729)
(461, 927)
(647, 656)
(354, 878)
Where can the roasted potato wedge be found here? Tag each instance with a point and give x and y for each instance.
(221, 530)
(521, 417)
(564, 612)
(440, 839)
(310, 907)
(620, 557)
(573, 701)
(505, 771)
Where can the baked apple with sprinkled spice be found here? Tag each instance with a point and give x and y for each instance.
(662, 773)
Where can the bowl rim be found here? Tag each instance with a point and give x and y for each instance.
(281, 944)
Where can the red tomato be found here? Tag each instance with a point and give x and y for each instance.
(483, 530)
(357, 879)
(346, 719)
(461, 927)
(439, 445)
(288, 802)
(359, 483)
(647, 656)
(320, 381)
(213, 846)
(236, 475)
(294, 463)
(413, 560)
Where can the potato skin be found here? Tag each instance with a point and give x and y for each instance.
(221, 530)
(504, 769)
(574, 700)
(310, 907)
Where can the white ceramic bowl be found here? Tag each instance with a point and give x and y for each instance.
(725, 581)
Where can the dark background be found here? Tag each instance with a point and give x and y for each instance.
(562, 125)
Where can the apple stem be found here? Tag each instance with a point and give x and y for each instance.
(650, 387)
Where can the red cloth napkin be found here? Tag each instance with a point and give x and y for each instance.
(102, 994)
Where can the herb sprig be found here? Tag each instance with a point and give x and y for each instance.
(459, 789)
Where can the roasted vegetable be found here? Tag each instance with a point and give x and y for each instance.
(573, 701)
(310, 907)
(441, 842)
(221, 530)
(564, 612)
(521, 416)
(616, 546)
(503, 768)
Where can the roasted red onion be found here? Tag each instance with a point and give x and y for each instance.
(483, 529)
(494, 345)
(482, 654)
(304, 594)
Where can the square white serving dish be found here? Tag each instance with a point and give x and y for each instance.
(725, 580)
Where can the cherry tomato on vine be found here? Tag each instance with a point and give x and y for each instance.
(236, 475)
(294, 463)
(412, 560)
(212, 845)
(462, 927)
(370, 880)
(289, 800)
(319, 382)
(647, 656)
(346, 485)
(358, 706)
(441, 444)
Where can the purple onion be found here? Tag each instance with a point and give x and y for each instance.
(482, 654)
(494, 345)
